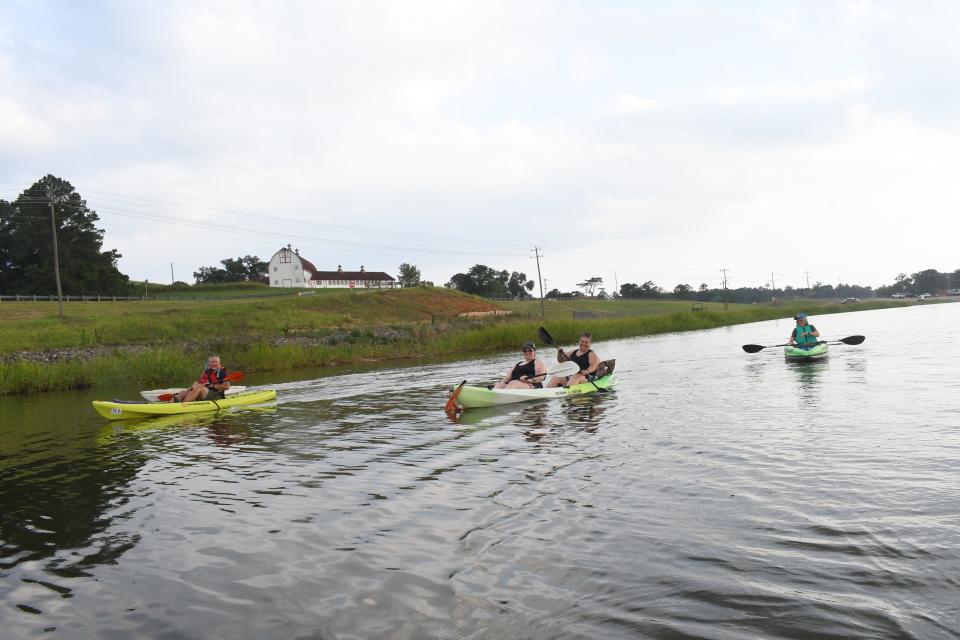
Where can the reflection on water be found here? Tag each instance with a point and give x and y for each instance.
(809, 378)
(723, 496)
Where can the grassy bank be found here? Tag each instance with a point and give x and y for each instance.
(157, 344)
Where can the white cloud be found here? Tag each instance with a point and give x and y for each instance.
(678, 140)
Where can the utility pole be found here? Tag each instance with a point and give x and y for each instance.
(807, 273)
(536, 254)
(616, 284)
(724, 272)
(56, 256)
(172, 280)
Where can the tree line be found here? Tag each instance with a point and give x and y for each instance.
(27, 263)
(485, 281)
(27, 249)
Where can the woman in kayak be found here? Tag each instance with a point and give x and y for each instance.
(526, 374)
(585, 357)
(211, 384)
(804, 335)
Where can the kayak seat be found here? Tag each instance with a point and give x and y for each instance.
(606, 367)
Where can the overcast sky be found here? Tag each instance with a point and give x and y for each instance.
(632, 141)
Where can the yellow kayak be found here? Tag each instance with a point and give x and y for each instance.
(119, 410)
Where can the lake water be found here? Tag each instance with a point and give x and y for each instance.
(715, 494)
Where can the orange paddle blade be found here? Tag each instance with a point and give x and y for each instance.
(451, 406)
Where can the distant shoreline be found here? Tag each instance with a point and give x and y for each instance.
(111, 344)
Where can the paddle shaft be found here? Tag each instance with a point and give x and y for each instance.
(852, 340)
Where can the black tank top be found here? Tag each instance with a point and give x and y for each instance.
(583, 360)
(528, 369)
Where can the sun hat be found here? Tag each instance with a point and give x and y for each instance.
(800, 315)
(528, 345)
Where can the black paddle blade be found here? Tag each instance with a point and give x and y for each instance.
(853, 339)
(545, 337)
(752, 348)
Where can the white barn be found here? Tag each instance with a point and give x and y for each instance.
(287, 268)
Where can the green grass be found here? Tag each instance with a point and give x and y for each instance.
(158, 344)
(568, 309)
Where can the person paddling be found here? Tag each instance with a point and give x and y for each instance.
(526, 374)
(804, 335)
(211, 385)
(585, 357)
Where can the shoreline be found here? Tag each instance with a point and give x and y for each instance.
(159, 365)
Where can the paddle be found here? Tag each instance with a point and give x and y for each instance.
(451, 406)
(546, 337)
(753, 348)
(232, 377)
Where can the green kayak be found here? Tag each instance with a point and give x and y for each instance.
(119, 410)
(474, 397)
(794, 354)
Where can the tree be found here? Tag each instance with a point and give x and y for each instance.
(518, 286)
(26, 244)
(245, 269)
(683, 291)
(954, 278)
(629, 290)
(209, 275)
(481, 280)
(929, 281)
(703, 293)
(650, 290)
(409, 275)
(590, 284)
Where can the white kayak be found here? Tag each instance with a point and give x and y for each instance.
(153, 394)
(473, 397)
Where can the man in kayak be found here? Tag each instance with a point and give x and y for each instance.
(804, 335)
(526, 374)
(585, 357)
(211, 384)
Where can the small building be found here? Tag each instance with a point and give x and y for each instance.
(288, 268)
(353, 279)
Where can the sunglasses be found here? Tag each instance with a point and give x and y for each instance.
(528, 349)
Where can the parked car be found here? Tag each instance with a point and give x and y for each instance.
(923, 296)
(953, 292)
(849, 300)
(899, 295)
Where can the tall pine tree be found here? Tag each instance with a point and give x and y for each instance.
(26, 244)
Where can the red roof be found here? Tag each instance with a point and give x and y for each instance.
(351, 275)
(307, 265)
